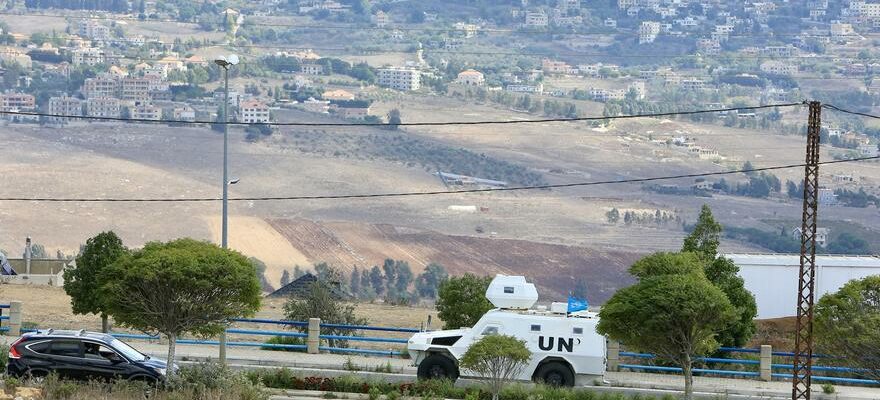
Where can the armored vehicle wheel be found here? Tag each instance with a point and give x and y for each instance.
(438, 366)
(555, 373)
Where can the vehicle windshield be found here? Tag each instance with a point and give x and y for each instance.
(128, 351)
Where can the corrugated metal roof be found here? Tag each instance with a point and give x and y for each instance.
(793, 260)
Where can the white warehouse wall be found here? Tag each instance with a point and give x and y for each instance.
(773, 278)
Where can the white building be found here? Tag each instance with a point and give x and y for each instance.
(773, 278)
(65, 106)
(648, 31)
(104, 107)
(400, 78)
(537, 19)
(254, 112)
(471, 77)
(89, 56)
(778, 68)
(821, 235)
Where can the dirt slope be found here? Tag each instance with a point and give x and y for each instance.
(554, 268)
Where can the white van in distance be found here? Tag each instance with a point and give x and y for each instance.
(565, 346)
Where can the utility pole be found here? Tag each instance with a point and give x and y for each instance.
(225, 63)
(803, 342)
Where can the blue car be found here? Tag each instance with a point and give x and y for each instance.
(81, 355)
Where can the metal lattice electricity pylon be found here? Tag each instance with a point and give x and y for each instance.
(803, 342)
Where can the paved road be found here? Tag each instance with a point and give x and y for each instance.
(627, 382)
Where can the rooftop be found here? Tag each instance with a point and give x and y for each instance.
(793, 260)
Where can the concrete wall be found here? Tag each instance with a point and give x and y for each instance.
(56, 280)
(773, 279)
(39, 266)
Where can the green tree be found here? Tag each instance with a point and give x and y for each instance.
(496, 359)
(847, 324)
(848, 243)
(640, 316)
(394, 119)
(355, 282)
(81, 283)
(319, 302)
(377, 281)
(704, 240)
(180, 287)
(706, 236)
(260, 270)
(430, 279)
(285, 278)
(461, 301)
(613, 216)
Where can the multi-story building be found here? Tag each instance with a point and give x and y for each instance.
(781, 51)
(103, 107)
(709, 46)
(91, 29)
(554, 67)
(471, 77)
(65, 106)
(102, 86)
(778, 68)
(254, 112)
(17, 102)
(381, 19)
(841, 31)
(135, 89)
(87, 56)
(692, 84)
(146, 112)
(400, 78)
(537, 19)
(312, 69)
(648, 31)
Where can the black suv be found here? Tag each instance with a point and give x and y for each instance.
(80, 355)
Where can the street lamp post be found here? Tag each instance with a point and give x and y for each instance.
(225, 63)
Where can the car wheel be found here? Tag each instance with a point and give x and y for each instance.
(555, 373)
(438, 366)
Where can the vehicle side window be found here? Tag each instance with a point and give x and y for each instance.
(67, 348)
(536, 328)
(490, 330)
(97, 351)
(508, 289)
(578, 331)
(39, 347)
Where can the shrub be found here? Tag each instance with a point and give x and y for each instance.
(497, 359)
(827, 388)
(10, 384)
(285, 340)
(4, 356)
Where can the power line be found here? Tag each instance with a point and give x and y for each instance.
(845, 111)
(446, 123)
(413, 194)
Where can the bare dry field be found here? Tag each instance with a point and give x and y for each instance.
(49, 307)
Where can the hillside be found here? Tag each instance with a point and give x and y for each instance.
(553, 267)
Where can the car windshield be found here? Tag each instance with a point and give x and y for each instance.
(128, 351)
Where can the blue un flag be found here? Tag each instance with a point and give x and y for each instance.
(576, 304)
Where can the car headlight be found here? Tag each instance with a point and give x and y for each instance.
(160, 371)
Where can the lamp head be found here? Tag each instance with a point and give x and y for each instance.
(227, 61)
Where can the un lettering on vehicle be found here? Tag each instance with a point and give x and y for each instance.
(547, 343)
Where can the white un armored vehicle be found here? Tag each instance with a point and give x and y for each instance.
(565, 345)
